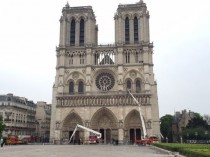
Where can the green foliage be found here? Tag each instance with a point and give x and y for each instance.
(166, 126)
(196, 129)
(190, 134)
(197, 121)
(2, 126)
(189, 150)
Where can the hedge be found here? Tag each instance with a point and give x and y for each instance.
(189, 150)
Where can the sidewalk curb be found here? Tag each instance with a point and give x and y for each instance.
(176, 154)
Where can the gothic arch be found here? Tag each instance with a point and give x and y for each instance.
(104, 118)
(138, 75)
(72, 76)
(70, 18)
(71, 120)
(126, 15)
(126, 83)
(81, 86)
(83, 17)
(136, 15)
(132, 120)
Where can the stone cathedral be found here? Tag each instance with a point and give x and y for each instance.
(92, 80)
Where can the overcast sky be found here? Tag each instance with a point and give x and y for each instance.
(180, 30)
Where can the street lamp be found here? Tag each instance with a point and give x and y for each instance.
(166, 139)
(206, 133)
(187, 137)
(196, 134)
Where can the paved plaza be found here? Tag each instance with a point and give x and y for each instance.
(80, 151)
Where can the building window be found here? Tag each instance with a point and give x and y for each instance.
(71, 60)
(127, 34)
(138, 86)
(128, 84)
(127, 57)
(104, 58)
(82, 32)
(136, 34)
(8, 99)
(105, 81)
(71, 88)
(82, 60)
(72, 33)
(136, 57)
(81, 87)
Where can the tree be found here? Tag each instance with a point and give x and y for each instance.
(196, 128)
(197, 122)
(2, 125)
(206, 117)
(166, 126)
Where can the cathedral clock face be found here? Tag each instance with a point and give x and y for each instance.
(105, 81)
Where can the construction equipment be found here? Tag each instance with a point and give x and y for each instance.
(141, 117)
(87, 129)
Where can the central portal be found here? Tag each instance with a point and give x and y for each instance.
(106, 136)
(105, 121)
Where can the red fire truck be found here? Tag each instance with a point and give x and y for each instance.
(93, 139)
(151, 139)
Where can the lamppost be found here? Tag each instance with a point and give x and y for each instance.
(206, 133)
(196, 135)
(187, 137)
(181, 139)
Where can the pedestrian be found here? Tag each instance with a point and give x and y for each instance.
(2, 142)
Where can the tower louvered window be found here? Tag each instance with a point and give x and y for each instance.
(136, 33)
(72, 33)
(82, 32)
(127, 34)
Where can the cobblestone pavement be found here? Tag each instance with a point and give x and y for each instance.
(80, 151)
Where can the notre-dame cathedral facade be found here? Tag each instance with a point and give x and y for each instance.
(92, 80)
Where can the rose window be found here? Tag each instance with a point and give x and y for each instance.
(105, 81)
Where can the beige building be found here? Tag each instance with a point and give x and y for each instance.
(92, 79)
(180, 121)
(43, 116)
(18, 115)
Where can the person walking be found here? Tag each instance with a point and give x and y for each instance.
(2, 142)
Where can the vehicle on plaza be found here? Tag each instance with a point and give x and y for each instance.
(11, 140)
(93, 139)
(94, 135)
(24, 139)
(144, 140)
(151, 139)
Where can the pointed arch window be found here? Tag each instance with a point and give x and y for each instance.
(72, 32)
(82, 60)
(71, 59)
(138, 86)
(71, 88)
(127, 57)
(82, 32)
(127, 29)
(81, 87)
(128, 85)
(136, 33)
(136, 57)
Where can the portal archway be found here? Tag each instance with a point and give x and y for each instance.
(133, 126)
(69, 125)
(105, 122)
